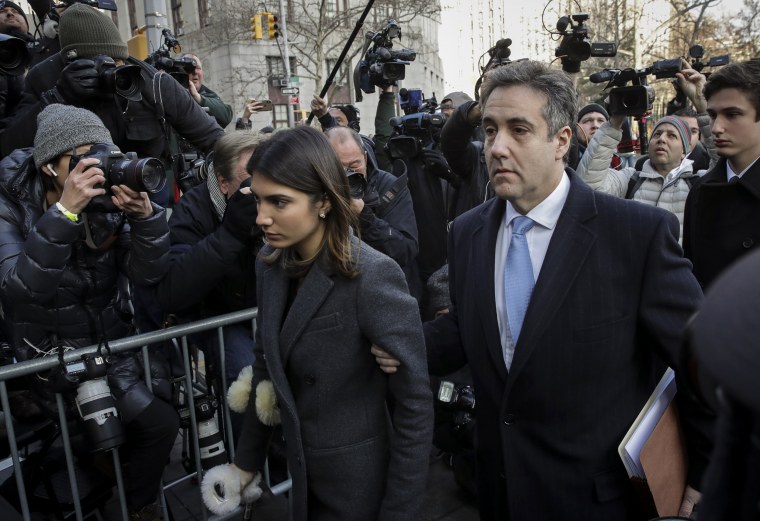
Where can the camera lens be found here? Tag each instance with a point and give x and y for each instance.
(151, 174)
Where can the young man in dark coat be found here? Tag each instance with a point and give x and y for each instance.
(722, 215)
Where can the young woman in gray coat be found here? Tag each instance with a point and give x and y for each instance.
(324, 298)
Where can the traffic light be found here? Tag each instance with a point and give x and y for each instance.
(256, 31)
(274, 28)
(138, 45)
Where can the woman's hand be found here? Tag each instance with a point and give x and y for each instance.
(134, 204)
(80, 185)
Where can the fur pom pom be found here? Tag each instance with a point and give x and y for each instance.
(266, 404)
(240, 390)
(220, 489)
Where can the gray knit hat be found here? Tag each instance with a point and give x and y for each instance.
(89, 33)
(681, 127)
(60, 128)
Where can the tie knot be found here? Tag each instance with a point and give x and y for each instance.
(522, 225)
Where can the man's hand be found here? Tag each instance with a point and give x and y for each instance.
(318, 106)
(240, 215)
(357, 205)
(387, 363)
(78, 83)
(194, 92)
(474, 115)
(617, 121)
(134, 204)
(691, 499)
(692, 84)
(79, 187)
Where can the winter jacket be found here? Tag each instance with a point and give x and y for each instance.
(52, 283)
(217, 108)
(594, 169)
(134, 126)
(211, 271)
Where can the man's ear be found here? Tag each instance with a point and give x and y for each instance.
(563, 139)
(224, 186)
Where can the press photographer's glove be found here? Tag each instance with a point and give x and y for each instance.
(240, 215)
(437, 165)
(78, 82)
(224, 487)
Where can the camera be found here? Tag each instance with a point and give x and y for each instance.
(414, 132)
(192, 170)
(14, 55)
(412, 101)
(124, 80)
(636, 99)
(178, 68)
(575, 45)
(210, 440)
(381, 65)
(356, 183)
(141, 175)
(97, 408)
(460, 398)
(696, 53)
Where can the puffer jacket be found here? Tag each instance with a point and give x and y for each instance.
(595, 170)
(52, 283)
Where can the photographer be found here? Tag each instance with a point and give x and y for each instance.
(667, 176)
(60, 271)
(214, 242)
(12, 23)
(389, 226)
(141, 123)
(206, 97)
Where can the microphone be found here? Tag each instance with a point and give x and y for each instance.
(603, 76)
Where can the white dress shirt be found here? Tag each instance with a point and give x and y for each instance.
(545, 215)
(730, 171)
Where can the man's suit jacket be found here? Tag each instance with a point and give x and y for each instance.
(345, 460)
(607, 311)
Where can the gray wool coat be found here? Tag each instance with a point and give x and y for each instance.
(348, 458)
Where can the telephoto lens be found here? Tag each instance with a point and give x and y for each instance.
(211, 444)
(102, 427)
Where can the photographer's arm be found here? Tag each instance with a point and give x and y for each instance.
(393, 231)
(594, 167)
(692, 84)
(217, 108)
(386, 109)
(456, 140)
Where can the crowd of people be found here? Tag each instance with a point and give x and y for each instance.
(571, 275)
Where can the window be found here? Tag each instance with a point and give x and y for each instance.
(383, 13)
(177, 22)
(276, 67)
(335, 8)
(203, 14)
(280, 116)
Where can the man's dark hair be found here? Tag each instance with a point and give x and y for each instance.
(686, 112)
(743, 76)
(561, 105)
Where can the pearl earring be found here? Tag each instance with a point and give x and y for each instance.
(322, 215)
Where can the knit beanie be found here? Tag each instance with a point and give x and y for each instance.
(681, 126)
(456, 98)
(15, 7)
(593, 107)
(89, 32)
(61, 128)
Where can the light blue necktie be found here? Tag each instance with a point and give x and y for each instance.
(518, 279)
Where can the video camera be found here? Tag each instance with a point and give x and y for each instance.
(141, 175)
(696, 53)
(178, 68)
(382, 66)
(14, 55)
(414, 132)
(413, 101)
(575, 45)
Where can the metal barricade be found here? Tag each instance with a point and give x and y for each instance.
(178, 334)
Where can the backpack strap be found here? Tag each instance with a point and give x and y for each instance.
(634, 183)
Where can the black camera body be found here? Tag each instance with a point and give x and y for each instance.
(178, 68)
(119, 168)
(414, 132)
(575, 46)
(459, 398)
(696, 53)
(205, 408)
(191, 169)
(69, 375)
(381, 65)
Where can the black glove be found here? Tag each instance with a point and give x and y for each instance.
(240, 215)
(437, 165)
(79, 83)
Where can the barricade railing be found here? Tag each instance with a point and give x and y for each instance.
(178, 334)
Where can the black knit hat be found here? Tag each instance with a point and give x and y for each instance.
(593, 107)
(90, 33)
(16, 7)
